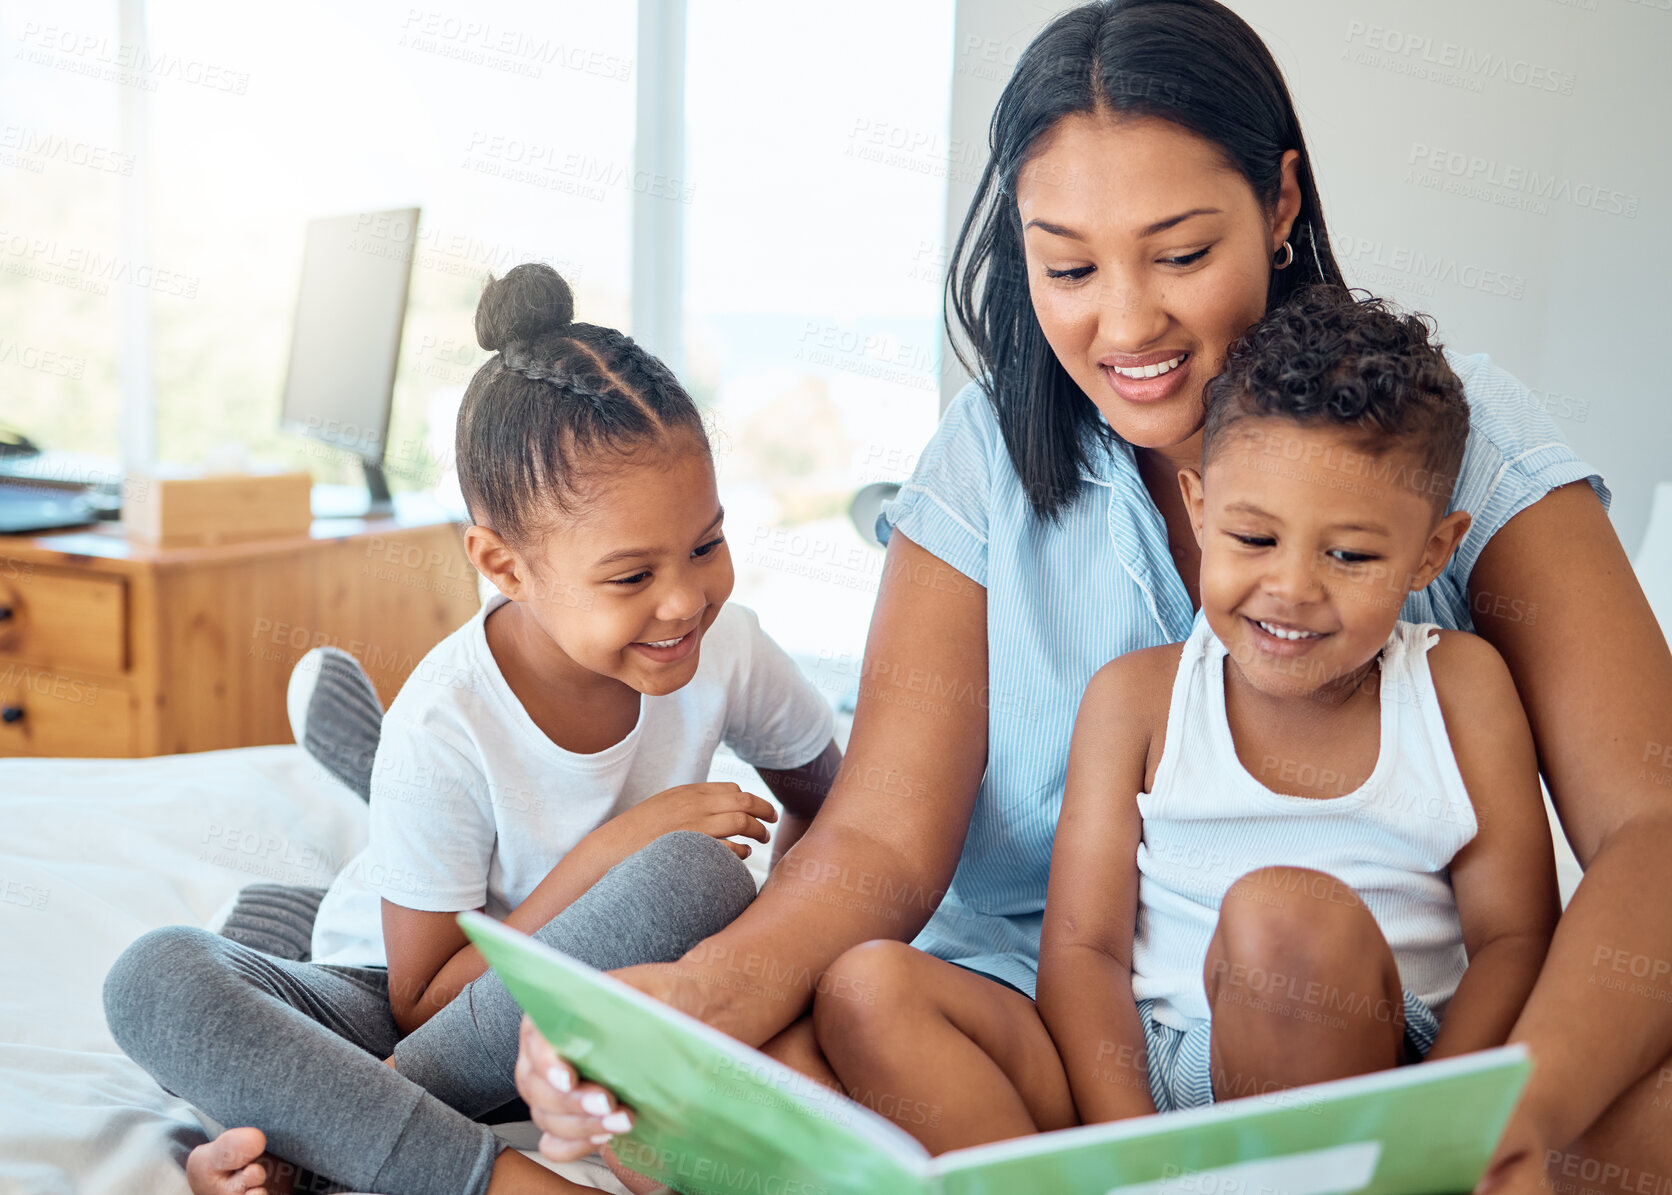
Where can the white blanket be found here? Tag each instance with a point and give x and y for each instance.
(94, 853)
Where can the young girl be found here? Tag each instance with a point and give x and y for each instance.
(568, 726)
(1309, 841)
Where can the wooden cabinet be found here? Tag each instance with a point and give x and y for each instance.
(109, 647)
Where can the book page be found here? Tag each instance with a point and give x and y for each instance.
(1329, 1171)
(1424, 1128)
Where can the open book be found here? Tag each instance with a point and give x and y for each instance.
(714, 1117)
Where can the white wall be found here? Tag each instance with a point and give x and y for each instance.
(1504, 165)
(989, 35)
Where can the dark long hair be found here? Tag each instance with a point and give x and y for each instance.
(1192, 62)
(555, 401)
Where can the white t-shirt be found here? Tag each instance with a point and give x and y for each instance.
(472, 805)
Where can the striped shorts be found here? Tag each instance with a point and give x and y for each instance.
(1180, 1075)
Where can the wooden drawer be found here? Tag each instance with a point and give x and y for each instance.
(61, 619)
(44, 711)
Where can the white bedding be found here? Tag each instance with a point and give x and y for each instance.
(95, 852)
(92, 854)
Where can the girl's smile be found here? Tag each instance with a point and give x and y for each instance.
(618, 594)
(671, 651)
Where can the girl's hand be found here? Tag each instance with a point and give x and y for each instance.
(719, 809)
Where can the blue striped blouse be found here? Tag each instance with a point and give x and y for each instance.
(1064, 598)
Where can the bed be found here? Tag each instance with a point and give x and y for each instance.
(96, 852)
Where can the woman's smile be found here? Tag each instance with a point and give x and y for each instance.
(1146, 365)
(1143, 272)
(1149, 383)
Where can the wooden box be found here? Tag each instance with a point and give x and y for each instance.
(186, 511)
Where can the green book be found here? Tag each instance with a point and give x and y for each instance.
(714, 1117)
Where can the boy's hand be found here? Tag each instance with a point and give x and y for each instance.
(718, 809)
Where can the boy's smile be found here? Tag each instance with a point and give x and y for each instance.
(1311, 541)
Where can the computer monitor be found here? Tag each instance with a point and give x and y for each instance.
(346, 340)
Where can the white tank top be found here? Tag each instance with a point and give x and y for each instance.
(1391, 840)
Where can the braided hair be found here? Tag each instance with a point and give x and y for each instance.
(555, 392)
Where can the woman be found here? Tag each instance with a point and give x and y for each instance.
(1149, 196)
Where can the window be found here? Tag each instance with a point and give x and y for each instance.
(813, 197)
(63, 273)
(818, 153)
(510, 123)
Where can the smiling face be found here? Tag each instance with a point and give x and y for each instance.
(625, 588)
(1147, 255)
(1309, 548)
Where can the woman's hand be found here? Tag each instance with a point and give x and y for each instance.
(574, 1118)
(719, 809)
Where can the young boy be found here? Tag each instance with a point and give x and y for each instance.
(1322, 825)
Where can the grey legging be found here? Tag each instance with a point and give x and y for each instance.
(296, 1049)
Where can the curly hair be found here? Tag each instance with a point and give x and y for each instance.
(1329, 356)
(554, 391)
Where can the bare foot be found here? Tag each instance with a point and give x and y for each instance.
(234, 1164)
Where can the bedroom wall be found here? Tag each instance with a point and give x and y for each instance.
(1503, 165)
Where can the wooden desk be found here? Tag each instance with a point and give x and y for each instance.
(111, 647)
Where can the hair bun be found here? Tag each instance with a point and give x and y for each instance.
(531, 300)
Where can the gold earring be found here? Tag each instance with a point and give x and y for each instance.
(1281, 259)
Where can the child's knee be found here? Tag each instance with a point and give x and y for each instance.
(712, 870)
(147, 981)
(687, 847)
(1289, 920)
(862, 993)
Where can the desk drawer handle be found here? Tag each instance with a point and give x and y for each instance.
(11, 713)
